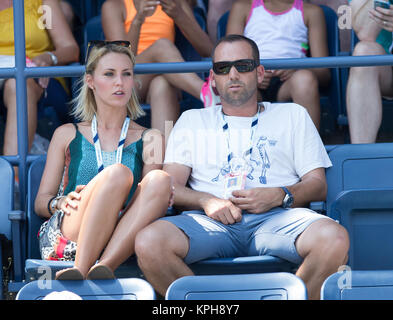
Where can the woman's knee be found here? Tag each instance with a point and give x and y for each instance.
(118, 175)
(159, 181)
(364, 48)
(34, 91)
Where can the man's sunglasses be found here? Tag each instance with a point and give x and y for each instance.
(103, 43)
(243, 65)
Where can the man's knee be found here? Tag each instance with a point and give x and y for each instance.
(150, 243)
(333, 238)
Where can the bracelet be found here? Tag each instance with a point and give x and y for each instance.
(49, 207)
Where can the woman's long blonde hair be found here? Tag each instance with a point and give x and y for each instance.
(84, 103)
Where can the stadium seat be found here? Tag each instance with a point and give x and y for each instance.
(7, 205)
(266, 286)
(118, 289)
(331, 96)
(360, 193)
(358, 285)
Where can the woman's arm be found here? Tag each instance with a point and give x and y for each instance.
(54, 167)
(317, 36)
(182, 14)
(66, 47)
(238, 17)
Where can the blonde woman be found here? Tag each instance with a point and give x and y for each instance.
(101, 182)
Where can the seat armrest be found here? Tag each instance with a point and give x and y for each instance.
(17, 215)
(318, 206)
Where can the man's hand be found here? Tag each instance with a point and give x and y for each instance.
(257, 200)
(222, 210)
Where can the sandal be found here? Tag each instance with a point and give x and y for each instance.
(69, 274)
(100, 272)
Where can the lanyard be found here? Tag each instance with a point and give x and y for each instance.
(97, 145)
(225, 129)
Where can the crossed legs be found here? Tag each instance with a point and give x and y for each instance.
(95, 226)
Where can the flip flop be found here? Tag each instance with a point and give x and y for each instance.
(100, 272)
(69, 274)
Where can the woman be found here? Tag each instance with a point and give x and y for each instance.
(49, 41)
(150, 27)
(104, 203)
(286, 29)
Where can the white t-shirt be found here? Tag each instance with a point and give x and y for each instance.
(286, 146)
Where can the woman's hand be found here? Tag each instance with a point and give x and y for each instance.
(383, 17)
(43, 60)
(145, 9)
(172, 197)
(71, 201)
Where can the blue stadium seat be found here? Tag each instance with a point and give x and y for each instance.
(7, 205)
(266, 286)
(118, 289)
(331, 96)
(358, 285)
(360, 193)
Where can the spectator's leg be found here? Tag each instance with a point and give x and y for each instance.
(324, 247)
(34, 92)
(163, 99)
(91, 224)
(364, 101)
(302, 88)
(163, 51)
(161, 248)
(216, 9)
(151, 202)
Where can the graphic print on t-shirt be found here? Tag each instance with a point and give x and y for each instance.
(262, 161)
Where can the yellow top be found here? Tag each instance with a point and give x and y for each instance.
(155, 27)
(37, 39)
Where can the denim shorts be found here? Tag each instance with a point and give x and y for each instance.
(271, 233)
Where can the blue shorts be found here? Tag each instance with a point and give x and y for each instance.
(271, 233)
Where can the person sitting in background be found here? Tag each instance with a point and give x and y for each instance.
(101, 182)
(367, 85)
(286, 29)
(46, 45)
(149, 26)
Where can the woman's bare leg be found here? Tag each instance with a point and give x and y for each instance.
(150, 202)
(92, 223)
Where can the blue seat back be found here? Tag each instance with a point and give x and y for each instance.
(6, 197)
(33, 220)
(360, 193)
(358, 285)
(118, 289)
(263, 286)
(92, 31)
(359, 166)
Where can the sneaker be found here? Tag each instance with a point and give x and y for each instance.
(209, 95)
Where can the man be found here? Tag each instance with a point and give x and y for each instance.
(266, 146)
(367, 85)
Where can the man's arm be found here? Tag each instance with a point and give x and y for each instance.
(187, 199)
(311, 187)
